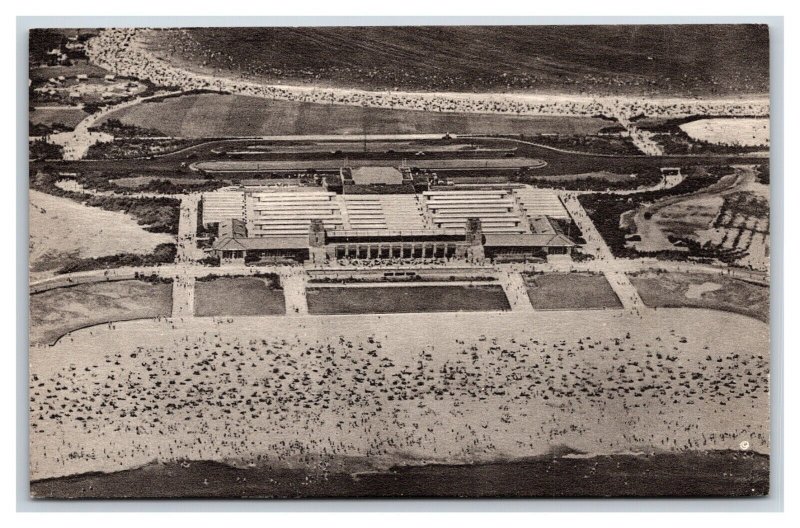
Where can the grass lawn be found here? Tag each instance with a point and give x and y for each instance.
(406, 299)
(701, 290)
(571, 291)
(66, 116)
(83, 68)
(56, 312)
(217, 115)
(237, 296)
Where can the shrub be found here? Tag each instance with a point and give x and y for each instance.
(41, 150)
(157, 215)
(605, 211)
(162, 254)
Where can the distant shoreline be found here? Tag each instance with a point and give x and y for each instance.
(125, 53)
(681, 474)
(238, 76)
(521, 60)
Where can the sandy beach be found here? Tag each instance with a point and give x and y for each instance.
(124, 52)
(304, 391)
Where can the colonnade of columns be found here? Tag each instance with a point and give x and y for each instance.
(396, 250)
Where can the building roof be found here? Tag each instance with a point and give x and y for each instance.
(373, 175)
(541, 225)
(262, 243)
(526, 240)
(232, 228)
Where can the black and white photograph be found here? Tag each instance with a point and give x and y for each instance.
(399, 261)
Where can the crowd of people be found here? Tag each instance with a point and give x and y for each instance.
(397, 261)
(305, 397)
(120, 51)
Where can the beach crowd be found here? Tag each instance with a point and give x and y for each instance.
(303, 400)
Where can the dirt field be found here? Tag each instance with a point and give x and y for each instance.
(56, 312)
(571, 291)
(47, 116)
(237, 296)
(382, 390)
(62, 230)
(679, 216)
(357, 300)
(701, 290)
(213, 115)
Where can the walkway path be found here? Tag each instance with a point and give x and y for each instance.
(197, 270)
(187, 230)
(76, 143)
(294, 292)
(596, 246)
(641, 138)
(183, 296)
(516, 291)
(399, 284)
(625, 290)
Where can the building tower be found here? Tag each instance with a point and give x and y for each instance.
(316, 241)
(474, 239)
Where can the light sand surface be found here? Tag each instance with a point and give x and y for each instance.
(696, 291)
(748, 132)
(62, 229)
(397, 388)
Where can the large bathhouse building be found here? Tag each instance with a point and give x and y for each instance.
(262, 224)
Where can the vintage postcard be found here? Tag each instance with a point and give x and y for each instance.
(410, 261)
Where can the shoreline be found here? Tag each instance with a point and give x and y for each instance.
(123, 52)
(153, 42)
(689, 473)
